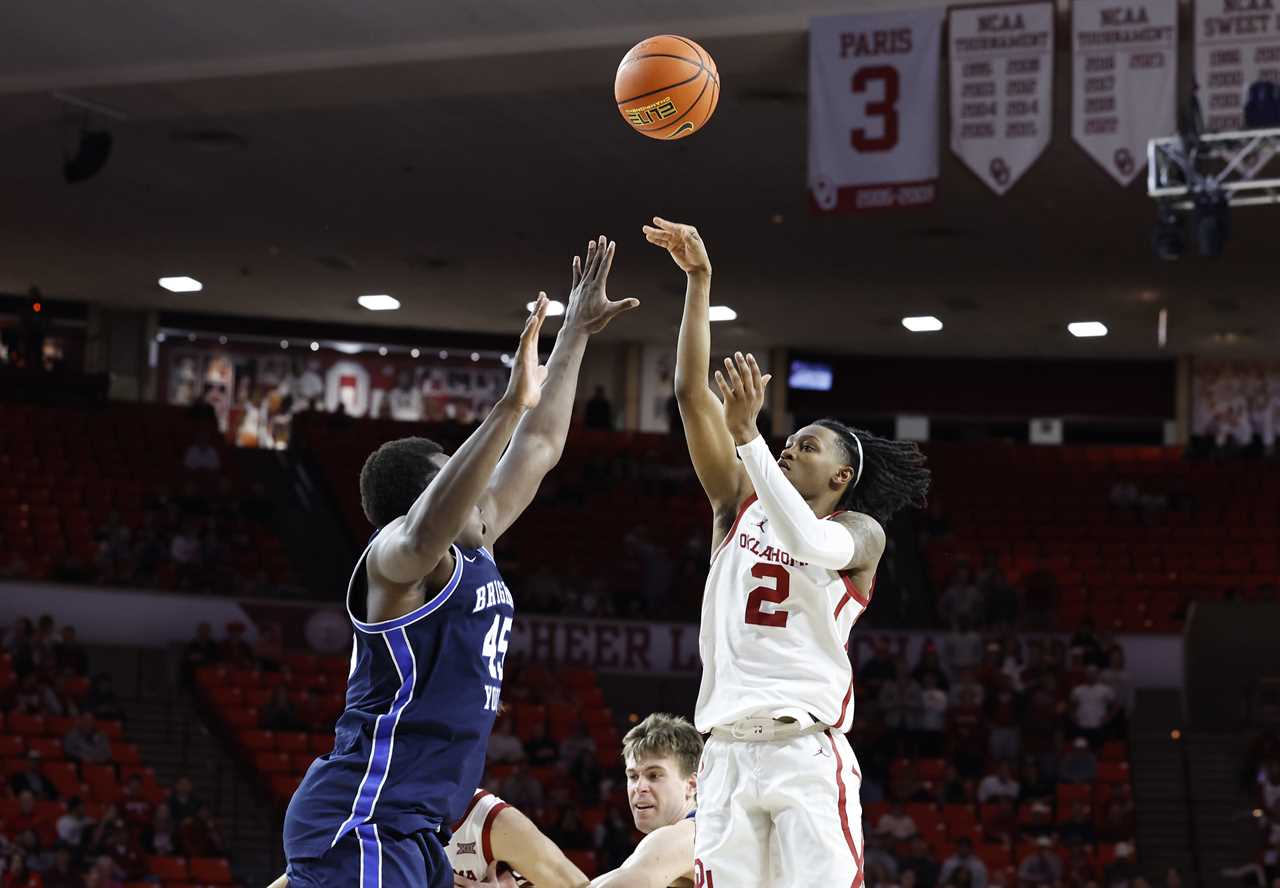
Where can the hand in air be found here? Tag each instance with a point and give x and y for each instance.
(682, 242)
(527, 375)
(589, 308)
(742, 390)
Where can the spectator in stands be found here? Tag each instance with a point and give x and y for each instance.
(878, 669)
(36, 697)
(69, 654)
(201, 455)
(901, 702)
(1123, 872)
(961, 601)
(599, 411)
(1078, 827)
(18, 874)
(1079, 764)
(522, 790)
(1117, 677)
(585, 771)
(1118, 815)
(1093, 707)
(569, 831)
(1086, 638)
(1041, 716)
(1032, 784)
(162, 838)
(1003, 715)
(1037, 820)
(183, 803)
(200, 651)
(576, 743)
(1042, 867)
(955, 790)
(540, 750)
(998, 595)
(116, 841)
(18, 643)
(504, 747)
(200, 836)
(998, 786)
(897, 823)
(964, 859)
(269, 649)
(613, 839)
(63, 872)
(931, 661)
(933, 717)
(136, 808)
(71, 826)
(187, 553)
(84, 743)
(31, 780)
(1269, 784)
(28, 842)
(279, 714)
(967, 691)
(921, 862)
(105, 874)
(235, 650)
(878, 862)
(101, 699)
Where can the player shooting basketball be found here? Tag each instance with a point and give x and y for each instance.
(796, 543)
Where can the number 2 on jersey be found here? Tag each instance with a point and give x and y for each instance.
(781, 590)
(496, 641)
(886, 108)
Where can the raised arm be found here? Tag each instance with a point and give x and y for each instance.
(662, 858)
(710, 446)
(848, 543)
(411, 547)
(539, 440)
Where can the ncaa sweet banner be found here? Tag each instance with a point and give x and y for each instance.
(1124, 61)
(873, 110)
(1001, 88)
(1237, 45)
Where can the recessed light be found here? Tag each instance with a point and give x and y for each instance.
(444, 355)
(475, 356)
(922, 324)
(348, 348)
(284, 343)
(191, 337)
(382, 350)
(181, 284)
(413, 353)
(315, 346)
(721, 313)
(159, 337)
(1087, 329)
(378, 302)
(555, 308)
(506, 359)
(222, 340)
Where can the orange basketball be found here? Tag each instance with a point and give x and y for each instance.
(667, 87)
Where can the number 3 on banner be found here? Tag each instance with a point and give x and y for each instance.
(886, 108)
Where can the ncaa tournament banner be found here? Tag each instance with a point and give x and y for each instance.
(873, 110)
(1124, 60)
(1237, 44)
(1001, 88)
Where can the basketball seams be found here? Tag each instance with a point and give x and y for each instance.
(697, 50)
(683, 114)
(654, 92)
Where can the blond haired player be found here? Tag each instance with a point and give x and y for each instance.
(661, 757)
(796, 541)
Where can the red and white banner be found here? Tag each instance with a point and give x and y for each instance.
(1001, 88)
(873, 110)
(1237, 44)
(1124, 60)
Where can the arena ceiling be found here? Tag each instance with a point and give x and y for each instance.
(293, 156)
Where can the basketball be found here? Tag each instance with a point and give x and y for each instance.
(667, 87)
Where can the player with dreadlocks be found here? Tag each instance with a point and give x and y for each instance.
(796, 541)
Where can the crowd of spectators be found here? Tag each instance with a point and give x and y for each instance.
(53, 839)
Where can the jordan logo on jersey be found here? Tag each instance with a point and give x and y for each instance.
(761, 524)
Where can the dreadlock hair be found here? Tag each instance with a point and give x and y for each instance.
(394, 476)
(891, 477)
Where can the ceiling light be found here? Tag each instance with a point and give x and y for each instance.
(555, 308)
(382, 350)
(721, 313)
(181, 284)
(315, 346)
(222, 340)
(348, 348)
(160, 337)
(506, 359)
(444, 355)
(1087, 329)
(379, 302)
(475, 356)
(284, 343)
(922, 324)
(413, 352)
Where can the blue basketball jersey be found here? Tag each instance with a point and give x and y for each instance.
(422, 696)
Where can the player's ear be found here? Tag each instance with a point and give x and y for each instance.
(843, 476)
(691, 786)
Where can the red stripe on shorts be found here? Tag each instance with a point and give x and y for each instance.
(844, 813)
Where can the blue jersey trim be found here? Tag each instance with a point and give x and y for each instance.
(430, 607)
(370, 856)
(384, 735)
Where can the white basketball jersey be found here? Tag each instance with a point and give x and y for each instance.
(469, 850)
(775, 631)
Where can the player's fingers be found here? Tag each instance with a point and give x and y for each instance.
(744, 370)
(577, 272)
(765, 380)
(726, 393)
(589, 264)
(731, 371)
(755, 371)
(607, 262)
(602, 247)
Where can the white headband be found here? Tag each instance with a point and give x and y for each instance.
(857, 477)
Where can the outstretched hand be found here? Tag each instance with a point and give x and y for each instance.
(590, 310)
(527, 375)
(682, 242)
(742, 389)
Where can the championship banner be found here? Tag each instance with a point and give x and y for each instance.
(1124, 60)
(873, 110)
(1237, 45)
(1001, 88)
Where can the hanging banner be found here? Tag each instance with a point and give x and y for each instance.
(1124, 61)
(873, 110)
(1001, 88)
(1237, 45)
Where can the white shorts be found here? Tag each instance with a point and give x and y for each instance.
(779, 814)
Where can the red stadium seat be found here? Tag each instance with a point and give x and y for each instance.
(50, 748)
(168, 868)
(257, 740)
(12, 746)
(1113, 772)
(64, 776)
(271, 762)
(126, 754)
(210, 870)
(319, 744)
(1069, 793)
(58, 725)
(26, 725)
(113, 729)
(291, 741)
(283, 786)
(583, 860)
